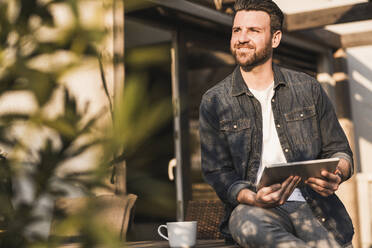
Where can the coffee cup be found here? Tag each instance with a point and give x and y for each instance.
(180, 234)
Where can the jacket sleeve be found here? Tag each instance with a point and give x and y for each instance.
(334, 141)
(217, 164)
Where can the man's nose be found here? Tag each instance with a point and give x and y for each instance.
(244, 37)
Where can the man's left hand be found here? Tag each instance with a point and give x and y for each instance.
(327, 186)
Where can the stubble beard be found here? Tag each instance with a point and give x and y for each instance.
(248, 61)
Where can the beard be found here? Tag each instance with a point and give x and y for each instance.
(250, 59)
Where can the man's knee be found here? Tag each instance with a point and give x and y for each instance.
(250, 225)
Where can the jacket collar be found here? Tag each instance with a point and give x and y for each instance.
(239, 87)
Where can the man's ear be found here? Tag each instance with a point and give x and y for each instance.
(277, 37)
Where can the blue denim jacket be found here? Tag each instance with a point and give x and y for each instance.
(307, 126)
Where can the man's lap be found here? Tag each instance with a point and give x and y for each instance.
(290, 225)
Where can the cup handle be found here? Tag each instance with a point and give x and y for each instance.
(159, 231)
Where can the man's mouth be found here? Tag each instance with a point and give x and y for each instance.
(244, 49)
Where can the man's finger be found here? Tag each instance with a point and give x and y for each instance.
(270, 189)
(266, 195)
(321, 182)
(271, 198)
(322, 191)
(271, 194)
(275, 187)
(289, 189)
(331, 176)
(287, 182)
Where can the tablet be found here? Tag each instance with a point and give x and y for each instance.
(277, 173)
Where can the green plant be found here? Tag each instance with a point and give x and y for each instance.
(31, 45)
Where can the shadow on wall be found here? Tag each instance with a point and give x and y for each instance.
(361, 100)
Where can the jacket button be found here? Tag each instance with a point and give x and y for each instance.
(323, 219)
(286, 150)
(278, 125)
(273, 100)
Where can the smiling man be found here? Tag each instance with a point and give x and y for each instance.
(252, 45)
(262, 114)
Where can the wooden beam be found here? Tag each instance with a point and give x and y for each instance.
(135, 5)
(322, 36)
(322, 17)
(335, 40)
(196, 10)
(211, 3)
(356, 39)
(208, 3)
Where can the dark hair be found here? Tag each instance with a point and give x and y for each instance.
(275, 13)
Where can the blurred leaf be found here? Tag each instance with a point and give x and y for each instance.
(104, 83)
(63, 127)
(8, 118)
(81, 149)
(71, 133)
(46, 166)
(135, 117)
(148, 55)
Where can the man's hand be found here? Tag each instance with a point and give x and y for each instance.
(276, 194)
(271, 196)
(331, 181)
(327, 186)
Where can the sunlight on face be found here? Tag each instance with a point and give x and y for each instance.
(251, 39)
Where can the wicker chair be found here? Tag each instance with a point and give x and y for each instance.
(208, 214)
(116, 208)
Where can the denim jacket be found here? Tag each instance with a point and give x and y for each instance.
(307, 126)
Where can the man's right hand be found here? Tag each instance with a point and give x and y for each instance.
(271, 196)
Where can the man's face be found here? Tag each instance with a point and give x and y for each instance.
(251, 39)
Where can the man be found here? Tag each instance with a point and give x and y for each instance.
(262, 114)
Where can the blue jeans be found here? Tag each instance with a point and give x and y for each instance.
(290, 225)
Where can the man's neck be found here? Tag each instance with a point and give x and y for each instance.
(259, 77)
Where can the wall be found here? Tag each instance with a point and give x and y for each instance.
(360, 73)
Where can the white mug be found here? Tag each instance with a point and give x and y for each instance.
(180, 234)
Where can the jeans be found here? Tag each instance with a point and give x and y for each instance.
(290, 225)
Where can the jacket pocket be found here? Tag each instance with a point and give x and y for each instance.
(300, 114)
(238, 134)
(235, 125)
(303, 128)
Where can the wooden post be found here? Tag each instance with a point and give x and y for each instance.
(324, 75)
(119, 78)
(181, 122)
(348, 190)
(119, 72)
(364, 181)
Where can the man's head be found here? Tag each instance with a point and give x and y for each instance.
(268, 6)
(256, 31)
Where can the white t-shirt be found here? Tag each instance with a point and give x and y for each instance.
(272, 151)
